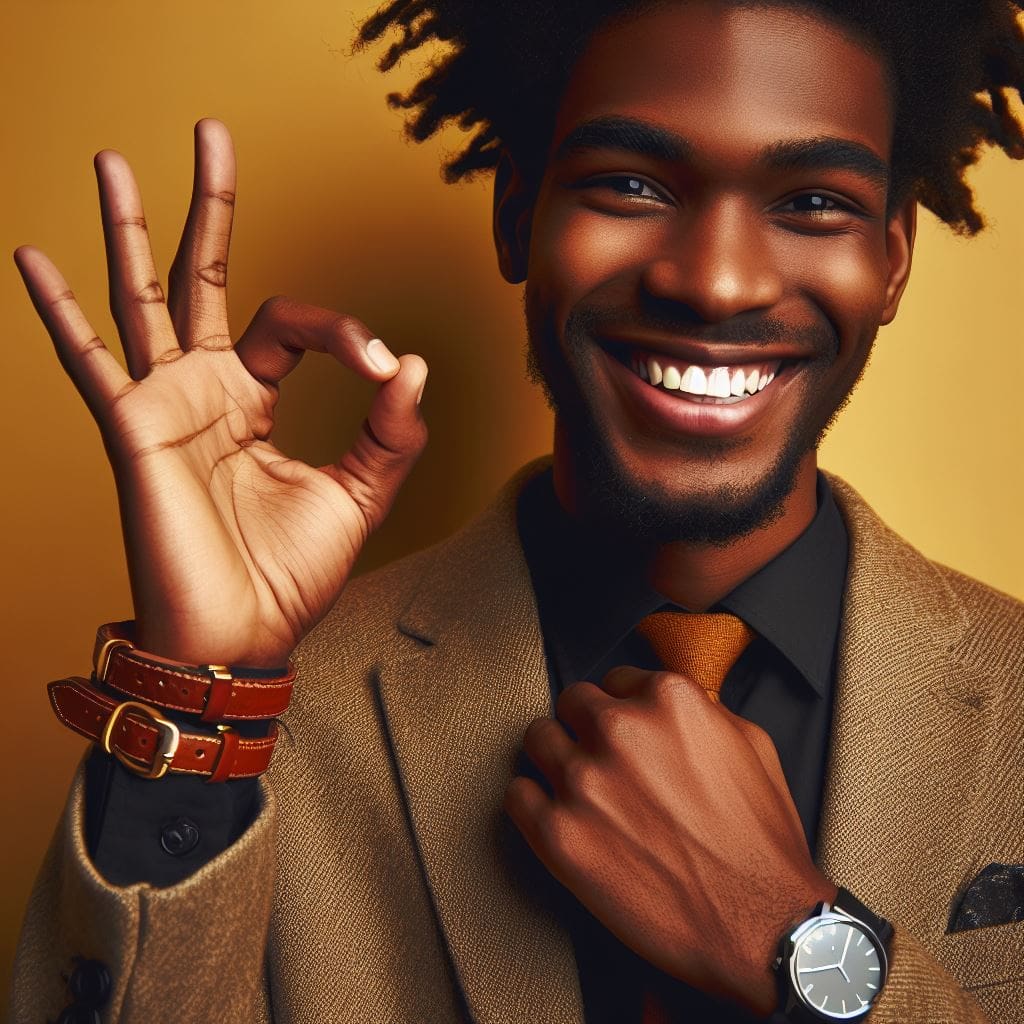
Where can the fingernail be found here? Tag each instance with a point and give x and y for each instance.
(381, 356)
(420, 394)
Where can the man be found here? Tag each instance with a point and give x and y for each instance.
(713, 206)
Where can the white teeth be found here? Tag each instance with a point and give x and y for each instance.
(718, 383)
(693, 381)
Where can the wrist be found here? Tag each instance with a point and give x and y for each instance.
(761, 991)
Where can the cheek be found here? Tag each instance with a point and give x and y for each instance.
(846, 278)
(575, 252)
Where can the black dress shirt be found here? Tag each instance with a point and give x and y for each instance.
(590, 597)
(591, 594)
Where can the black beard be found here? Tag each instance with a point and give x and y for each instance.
(615, 503)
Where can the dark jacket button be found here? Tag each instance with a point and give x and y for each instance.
(90, 983)
(79, 1015)
(179, 837)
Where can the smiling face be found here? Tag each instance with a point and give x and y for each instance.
(709, 259)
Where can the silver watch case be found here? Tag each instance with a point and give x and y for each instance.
(853, 996)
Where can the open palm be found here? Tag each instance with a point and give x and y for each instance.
(234, 550)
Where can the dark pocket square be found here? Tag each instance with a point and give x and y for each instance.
(996, 896)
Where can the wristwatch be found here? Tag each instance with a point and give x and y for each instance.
(832, 965)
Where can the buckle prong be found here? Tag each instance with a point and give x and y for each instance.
(166, 747)
(103, 656)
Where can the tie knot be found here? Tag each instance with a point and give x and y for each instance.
(702, 646)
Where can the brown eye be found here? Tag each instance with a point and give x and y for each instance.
(815, 204)
(628, 185)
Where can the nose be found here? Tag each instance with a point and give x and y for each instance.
(717, 262)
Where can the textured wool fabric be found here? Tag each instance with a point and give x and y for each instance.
(702, 646)
(381, 881)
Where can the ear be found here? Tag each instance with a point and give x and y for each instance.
(899, 245)
(513, 212)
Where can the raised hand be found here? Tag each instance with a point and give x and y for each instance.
(234, 550)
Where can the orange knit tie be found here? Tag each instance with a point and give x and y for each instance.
(704, 647)
(701, 646)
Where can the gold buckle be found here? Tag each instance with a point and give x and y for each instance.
(103, 656)
(167, 744)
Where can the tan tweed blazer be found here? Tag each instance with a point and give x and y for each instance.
(381, 882)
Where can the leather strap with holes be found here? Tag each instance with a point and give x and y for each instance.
(150, 745)
(212, 692)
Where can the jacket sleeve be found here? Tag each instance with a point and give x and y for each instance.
(921, 990)
(197, 947)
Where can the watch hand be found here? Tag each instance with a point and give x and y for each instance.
(842, 959)
(846, 977)
(814, 970)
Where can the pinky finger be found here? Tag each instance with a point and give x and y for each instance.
(97, 375)
(530, 809)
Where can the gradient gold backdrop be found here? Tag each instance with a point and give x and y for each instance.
(335, 208)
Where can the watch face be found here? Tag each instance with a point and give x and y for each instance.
(836, 967)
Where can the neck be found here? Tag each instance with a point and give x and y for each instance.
(697, 576)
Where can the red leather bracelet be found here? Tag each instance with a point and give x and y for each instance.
(212, 692)
(149, 744)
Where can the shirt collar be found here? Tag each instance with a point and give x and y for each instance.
(591, 593)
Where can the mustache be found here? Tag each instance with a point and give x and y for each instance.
(753, 329)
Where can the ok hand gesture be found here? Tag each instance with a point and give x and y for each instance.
(234, 550)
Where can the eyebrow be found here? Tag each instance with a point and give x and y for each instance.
(645, 139)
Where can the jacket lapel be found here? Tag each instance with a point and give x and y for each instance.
(906, 732)
(457, 703)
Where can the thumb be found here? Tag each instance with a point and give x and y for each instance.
(388, 444)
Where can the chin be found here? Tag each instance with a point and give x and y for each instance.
(620, 502)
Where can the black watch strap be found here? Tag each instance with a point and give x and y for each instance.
(849, 904)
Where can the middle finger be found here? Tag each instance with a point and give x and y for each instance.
(198, 281)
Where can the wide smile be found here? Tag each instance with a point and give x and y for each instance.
(700, 396)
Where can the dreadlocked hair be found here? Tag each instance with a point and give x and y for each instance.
(953, 66)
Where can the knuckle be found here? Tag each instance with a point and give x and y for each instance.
(149, 293)
(556, 834)
(224, 196)
(666, 687)
(274, 308)
(533, 736)
(346, 326)
(614, 724)
(215, 273)
(170, 355)
(580, 777)
(213, 343)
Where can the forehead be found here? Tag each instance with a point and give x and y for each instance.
(732, 78)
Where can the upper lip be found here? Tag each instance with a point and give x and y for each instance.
(702, 353)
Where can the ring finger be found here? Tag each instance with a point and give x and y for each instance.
(548, 746)
(136, 297)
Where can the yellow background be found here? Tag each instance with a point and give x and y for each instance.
(336, 209)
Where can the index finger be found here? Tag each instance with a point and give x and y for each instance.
(283, 330)
(625, 680)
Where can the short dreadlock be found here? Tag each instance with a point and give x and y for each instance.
(953, 65)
